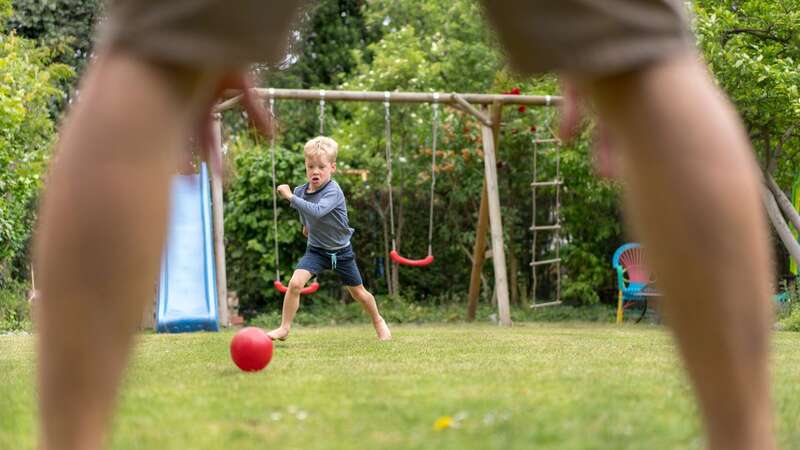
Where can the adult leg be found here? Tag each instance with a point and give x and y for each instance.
(692, 195)
(367, 300)
(101, 232)
(291, 301)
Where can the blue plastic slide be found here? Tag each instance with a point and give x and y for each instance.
(187, 291)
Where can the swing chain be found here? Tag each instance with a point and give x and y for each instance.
(321, 112)
(388, 128)
(435, 107)
(274, 188)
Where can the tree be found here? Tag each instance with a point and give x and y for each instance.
(321, 55)
(28, 88)
(753, 48)
(63, 26)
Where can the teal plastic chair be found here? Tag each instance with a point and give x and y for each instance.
(632, 276)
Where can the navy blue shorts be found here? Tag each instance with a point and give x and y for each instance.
(342, 261)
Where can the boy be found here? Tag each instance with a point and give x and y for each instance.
(323, 212)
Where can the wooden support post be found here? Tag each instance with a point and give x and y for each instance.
(472, 110)
(219, 230)
(478, 256)
(478, 250)
(496, 226)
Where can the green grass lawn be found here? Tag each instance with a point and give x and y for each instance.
(549, 386)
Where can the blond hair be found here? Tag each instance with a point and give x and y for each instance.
(320, 146)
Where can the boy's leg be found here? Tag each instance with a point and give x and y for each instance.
(291, 301)
(692, 194)
(367, 301)
(100, 235)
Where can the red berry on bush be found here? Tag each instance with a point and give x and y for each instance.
(515, 91)
(521, 108)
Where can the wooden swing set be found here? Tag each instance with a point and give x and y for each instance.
(486, 108)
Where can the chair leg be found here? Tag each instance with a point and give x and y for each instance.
(620, 310)
(644, 311)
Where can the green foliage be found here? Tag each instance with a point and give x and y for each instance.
(63, 26)
(457, 46)
(327, 39)
(787, 306)
(753, 49)
(792, 321)
(321, 57)
(5, 12)
(593, 224)
(28, 88)
(14, 307)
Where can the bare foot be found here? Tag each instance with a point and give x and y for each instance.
(383, 330)
(279, 334)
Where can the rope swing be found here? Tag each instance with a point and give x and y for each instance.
(394, 255)
(314, 287)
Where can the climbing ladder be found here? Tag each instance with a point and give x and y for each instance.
(548, 147)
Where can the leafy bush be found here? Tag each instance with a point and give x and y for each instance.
(792, 321)
(28, 88)
(787, 306)
(15, 312)
(395, 309)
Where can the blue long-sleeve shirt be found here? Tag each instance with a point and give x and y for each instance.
(324, 213)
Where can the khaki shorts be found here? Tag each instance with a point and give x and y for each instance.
(205, 33)
(589, 37)
(582, 37)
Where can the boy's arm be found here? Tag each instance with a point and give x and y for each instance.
(327, 203)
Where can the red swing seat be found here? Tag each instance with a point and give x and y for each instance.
(410, 262)
(310, 289)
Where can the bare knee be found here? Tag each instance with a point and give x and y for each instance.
(360, 294)
(296, 285)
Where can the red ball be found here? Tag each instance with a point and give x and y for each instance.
(251, 349)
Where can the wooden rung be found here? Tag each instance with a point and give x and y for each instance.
(547, 183)
(544, 227)
(546, 141)
(542, 305)
(545, 261)
(549, 149)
